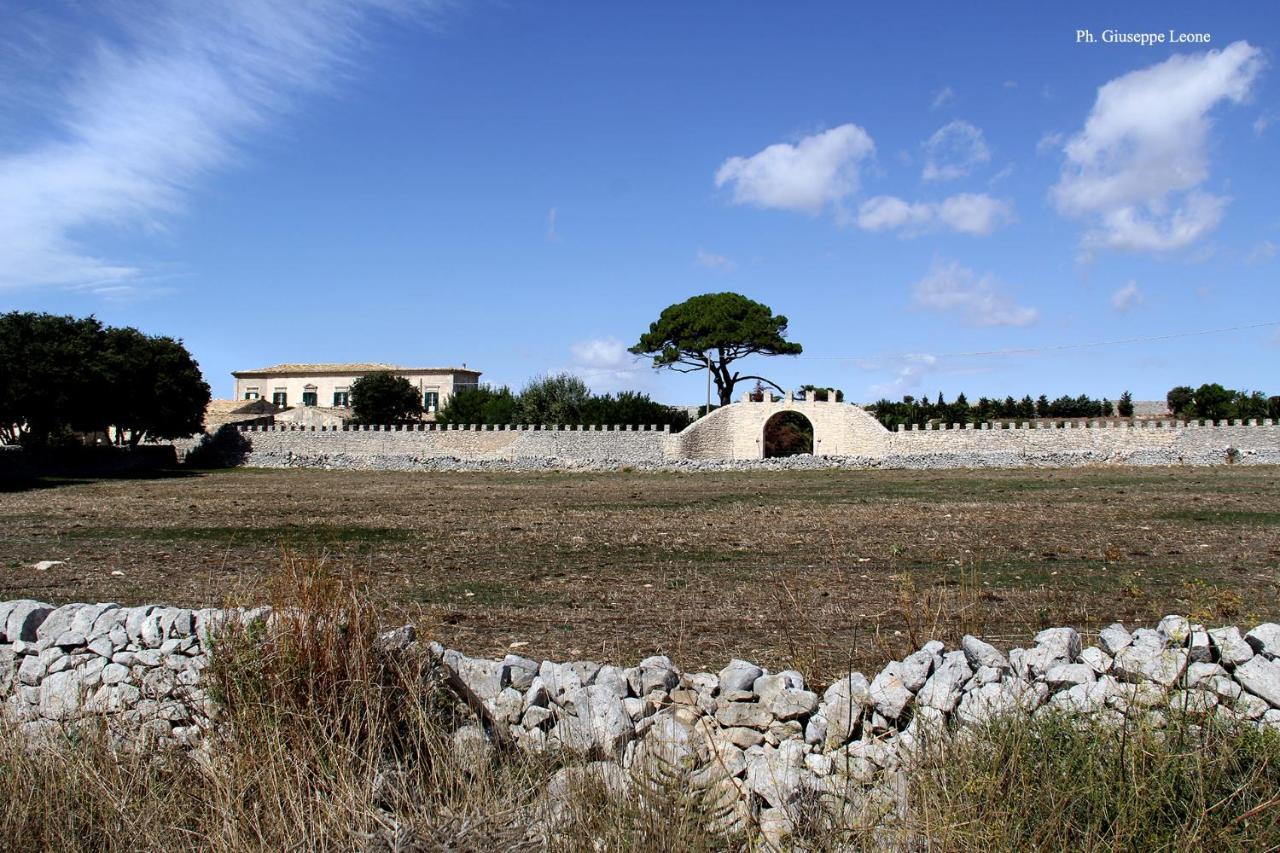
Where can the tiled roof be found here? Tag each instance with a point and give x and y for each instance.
(350, 367)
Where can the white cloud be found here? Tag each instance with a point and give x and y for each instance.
(713, 261)
(1134, 172)
(1127, 297)
(1050, 141)
(967, 213)
(1263, 251)
(147, 114)
(950, 287)
(908, 371)
(954, 151)
(553, 235)
(943, 96)
(816, 172)
(1262, 122)
(605, 364)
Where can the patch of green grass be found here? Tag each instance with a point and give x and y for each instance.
(289, 534)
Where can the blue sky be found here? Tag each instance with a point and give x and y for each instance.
(523, 187)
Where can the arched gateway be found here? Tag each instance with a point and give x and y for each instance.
(736, 431)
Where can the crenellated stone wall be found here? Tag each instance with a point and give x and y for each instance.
(844, 436)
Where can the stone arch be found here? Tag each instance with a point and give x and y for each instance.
(777, 441)
(736, 431)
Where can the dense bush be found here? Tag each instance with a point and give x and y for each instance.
(60, 376)
(560, 399)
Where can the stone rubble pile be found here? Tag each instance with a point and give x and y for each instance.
(758, 744)
(387, 461)
(755, 746)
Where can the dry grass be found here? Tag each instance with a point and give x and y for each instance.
(818, 570)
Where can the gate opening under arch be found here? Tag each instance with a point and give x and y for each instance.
(787, 433)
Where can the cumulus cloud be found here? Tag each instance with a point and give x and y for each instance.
(818, 171)
(1135, 172)
(147, 113)
(950, 287)
(1126, 297)
(953, 151)
(713, 261)
(604, 364)
(967, 213)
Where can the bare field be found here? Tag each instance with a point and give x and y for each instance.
(818, 570)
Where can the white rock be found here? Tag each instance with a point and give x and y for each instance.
(46, 565)
(767, 686)
(24, 620)
(889, 695)
(943, 689)
(1265, 639)
(739, 675)
(1233, 650)
(1175, 629)
(483, 677)
(1261, 677)
(1113, 638)
(594, 719)
(1066, 675)
(60, 696)
(792, 704)
(980, 654)
(1096, 659)
(1140, 662)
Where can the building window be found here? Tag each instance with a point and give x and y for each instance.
(431, 400)
(310, 396)
(280, 398)
(251, 393)
(341, 399)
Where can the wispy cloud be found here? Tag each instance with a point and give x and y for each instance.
(713, 261)
(1262, 252)
(907, 372)
(942, 97)
(157, 101)
(1126, 297)
(953, 151)
(978, 300)
(552, 234)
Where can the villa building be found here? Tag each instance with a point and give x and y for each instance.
(329, 385)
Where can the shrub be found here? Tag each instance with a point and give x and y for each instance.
(227, 447)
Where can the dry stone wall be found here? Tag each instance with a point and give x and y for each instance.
(1084, 443)
(413, 446)
(754, 742)
(845, 436)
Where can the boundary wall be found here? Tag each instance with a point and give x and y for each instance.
(845, 434)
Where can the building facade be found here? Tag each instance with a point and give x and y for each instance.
(329, 385)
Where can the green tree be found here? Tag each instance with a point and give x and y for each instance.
(1181, 400)
(1124, 408)
(557, 399)
(384, 398)
(711, 332)
(480, 405)
(155, 389)
(52, 377)
(1213, 402)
